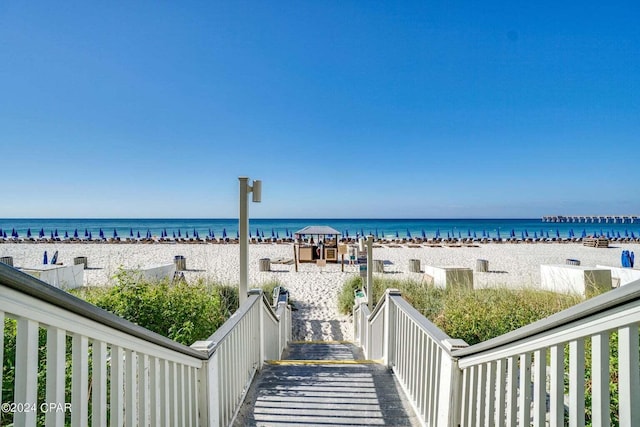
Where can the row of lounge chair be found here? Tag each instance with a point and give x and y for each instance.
(269, 240)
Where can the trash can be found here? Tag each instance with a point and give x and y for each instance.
(482, 265)
(265, 264)
(80, 260)
(180, 262)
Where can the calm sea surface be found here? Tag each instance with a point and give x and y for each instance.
(282, 227)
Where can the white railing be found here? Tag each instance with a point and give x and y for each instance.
(418, 353)
(123, 374)
(236, 351)
(518, 378)
(509, 380)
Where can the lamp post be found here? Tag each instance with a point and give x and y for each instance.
(243, 228)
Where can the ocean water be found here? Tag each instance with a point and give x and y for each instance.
(283, 226)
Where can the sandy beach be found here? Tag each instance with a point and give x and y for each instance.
(314, 289)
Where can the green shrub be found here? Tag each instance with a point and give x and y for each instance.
(181, 311)
(471, 315)
(479, 315)
(346, 298)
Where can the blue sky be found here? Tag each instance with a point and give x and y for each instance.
(342, 108)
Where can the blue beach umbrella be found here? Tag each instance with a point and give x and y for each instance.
(115, 234)
(513, 233)
(186, 233)
(174, 234)
(224, 233)
(468, 232)
(101, 234)
(626, 233)
(584, 233)
(44, 258)
(424, 235)
(397, 235)
(632, 258)
(86, 233)
(130, 232)
(195, 232)
(522, 234)
(52, 235)
(138, 234)
(633, 235)
(237, 234)
(484, 233)
(66, 235)
(408, 234)
(535, 235)
(499, 234)
(55, 233)
(526, 233)
(148, 234)
(361, 232)
(287, 231)
(448, 236)
(165, 232)
(557, 233)
(277, 234)
(41, 233)
(273, 233)
(29, 232)
(475, 236)
(4, 234)
(618, 234)
(438, 233)
(383, 234)
(179, 233)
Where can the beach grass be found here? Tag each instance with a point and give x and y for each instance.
(179, 311)
(471, 315)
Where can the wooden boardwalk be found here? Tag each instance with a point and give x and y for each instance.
(325, 384)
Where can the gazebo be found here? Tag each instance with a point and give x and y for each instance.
(315, 242)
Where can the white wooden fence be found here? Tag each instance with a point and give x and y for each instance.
(518, 378)
(122, 374)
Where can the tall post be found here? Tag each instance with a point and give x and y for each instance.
(370, 272)
(243, 227)
(243, 230)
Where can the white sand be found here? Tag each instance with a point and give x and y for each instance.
(315, 290)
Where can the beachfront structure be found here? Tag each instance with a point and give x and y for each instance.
(316, 242)
(622, 219)
(141, 378)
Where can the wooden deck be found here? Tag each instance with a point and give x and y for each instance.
(325, 384)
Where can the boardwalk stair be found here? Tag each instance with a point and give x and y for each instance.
(325, 384)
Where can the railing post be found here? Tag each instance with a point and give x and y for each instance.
(261, 333)
(450, 393)
(388, 340)
(208, 393)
